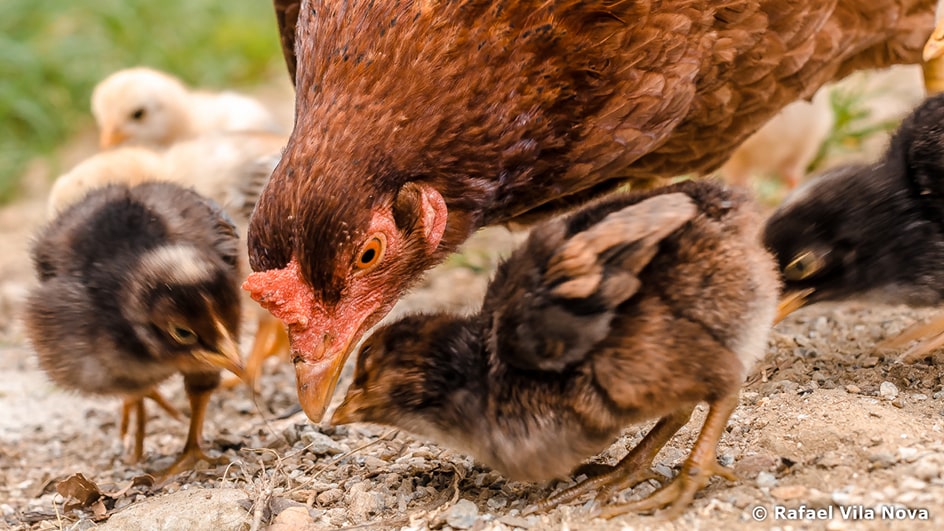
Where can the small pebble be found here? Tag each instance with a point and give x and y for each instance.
(319, 443)
(888, 391)
(330, 496)
(854, 389)
(462, 515)
(882, 460)
(497, 502)
(898, 402)
(907, 453)
(927, 469)
(291, 434)
(766, 479)
(364, 502)
(789, 492)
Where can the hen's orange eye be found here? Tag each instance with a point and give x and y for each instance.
(371, 253)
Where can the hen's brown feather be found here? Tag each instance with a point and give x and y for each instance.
(501, 111)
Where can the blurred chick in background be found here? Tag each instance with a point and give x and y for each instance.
(785, 146)
(872, 232)
(230, 168)
(136, 284)
(144, 106)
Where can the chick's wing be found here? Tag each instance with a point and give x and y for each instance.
(553, 300)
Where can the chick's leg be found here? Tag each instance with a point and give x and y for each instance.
(271, 340)
(631, 470)
(696, 471)
(136, 403)
(199, 388)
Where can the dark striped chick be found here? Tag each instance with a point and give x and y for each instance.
(137, 284)
(636, 307)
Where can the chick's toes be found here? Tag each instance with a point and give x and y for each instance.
(630, 471)
(697, 471)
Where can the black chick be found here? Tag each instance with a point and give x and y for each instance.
(636, 307)
(136, 284)
(871, 232)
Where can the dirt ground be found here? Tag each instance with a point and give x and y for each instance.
(828, 429)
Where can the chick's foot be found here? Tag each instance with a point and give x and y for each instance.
(697, 471)
(193, 453)
(630, 471)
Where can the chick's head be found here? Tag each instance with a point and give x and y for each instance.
(415, 373)
(140, 106)
(185, 305)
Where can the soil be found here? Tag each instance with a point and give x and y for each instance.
(827, 424)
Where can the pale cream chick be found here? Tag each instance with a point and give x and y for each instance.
(148, 107)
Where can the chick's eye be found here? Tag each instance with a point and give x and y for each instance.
(371, 252)
(182, 334)
(805, 265)
(137, 114)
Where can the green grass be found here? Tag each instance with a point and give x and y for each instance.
(853, 125)
(52, 53)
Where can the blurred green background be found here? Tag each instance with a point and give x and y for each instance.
(53, 52)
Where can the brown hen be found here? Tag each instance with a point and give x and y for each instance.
(419, 122)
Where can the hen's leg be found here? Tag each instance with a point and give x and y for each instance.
(271, 339)
(696, 472)
(631, 470)
(199, 388)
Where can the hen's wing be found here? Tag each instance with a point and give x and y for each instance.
(553, 300)
(286, 14)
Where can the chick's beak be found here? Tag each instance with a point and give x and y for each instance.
(792, 301)
(110, 138)
(226, 355)
(349, 410)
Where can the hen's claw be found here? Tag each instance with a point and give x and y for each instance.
(930, 336)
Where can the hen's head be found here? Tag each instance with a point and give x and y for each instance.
(140, 106)
(332, 266)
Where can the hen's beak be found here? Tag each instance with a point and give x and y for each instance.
(111, 137)
(226, 356)
(791, 302)
(317, 373)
